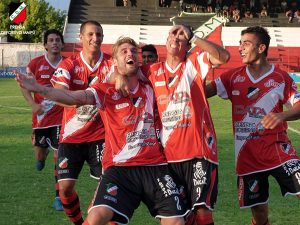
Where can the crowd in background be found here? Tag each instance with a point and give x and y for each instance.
(236, 10)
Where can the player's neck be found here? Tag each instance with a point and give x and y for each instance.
(91, 57)
(54, 58)
(259, 69)
(174, 61)
(133, 82)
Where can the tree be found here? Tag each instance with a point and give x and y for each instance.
(40, 17)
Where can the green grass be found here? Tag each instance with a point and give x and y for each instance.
(26, 195)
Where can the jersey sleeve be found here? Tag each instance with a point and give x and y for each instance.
(222, 84)
(201, 62)
(62, 75)
(31, 67)
(98, 91)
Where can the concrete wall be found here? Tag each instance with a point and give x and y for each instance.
(19, 54)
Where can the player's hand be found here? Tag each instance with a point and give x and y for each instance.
(178, 30)
(27, 82)
(272, 120)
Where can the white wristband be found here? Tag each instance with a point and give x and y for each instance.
(193, 39)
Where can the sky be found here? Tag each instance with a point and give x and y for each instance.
(59, 4)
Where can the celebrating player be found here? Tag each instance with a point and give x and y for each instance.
(46, 115)
(258, 92)
(82, 134)
(135, 167)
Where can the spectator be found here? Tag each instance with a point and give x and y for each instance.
(226, 11)
(218, 9)
(283, 5)
(248, 14)
(125, 3)
(263, 12)
(133, 3)
(297, 15)
(290, 15)
(149, 54)
(236, 15)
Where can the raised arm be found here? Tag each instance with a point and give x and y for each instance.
(217, 54)
(82, 97)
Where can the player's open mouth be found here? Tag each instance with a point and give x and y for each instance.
(130, 62)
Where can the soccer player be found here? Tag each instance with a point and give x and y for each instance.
(46, 114)
(82, 134)
(258, 91)
(149, 54)
(135, 168)
(187, 133)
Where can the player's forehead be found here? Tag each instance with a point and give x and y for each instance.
(249, 37)
(127, 46)
(148, 53)
(89, 27)
(53, 36)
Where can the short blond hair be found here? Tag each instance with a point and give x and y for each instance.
(121, 40)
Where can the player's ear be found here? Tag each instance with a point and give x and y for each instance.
(261, 48)
(114, 61)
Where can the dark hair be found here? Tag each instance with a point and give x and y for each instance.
(93, 22)
(261, 33)
(149, 48)
(53, 31)
(121, 41)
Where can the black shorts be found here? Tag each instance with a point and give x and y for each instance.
(71, 158)
(253, 189)
(123, 188)
(46, 137)
(199, 179)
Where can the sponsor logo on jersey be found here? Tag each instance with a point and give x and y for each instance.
(160, 83)
(63, 163)
(252, 91)
(176, 98)
(271, 83)
(235, 92)
(116, 96)
(79, 82)
(253, 186)
(255, 112)
(133, 119)
(43, 67)
(112, 189)
(239, 79)
(122, 105)
(78, 69)
(45, 76)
